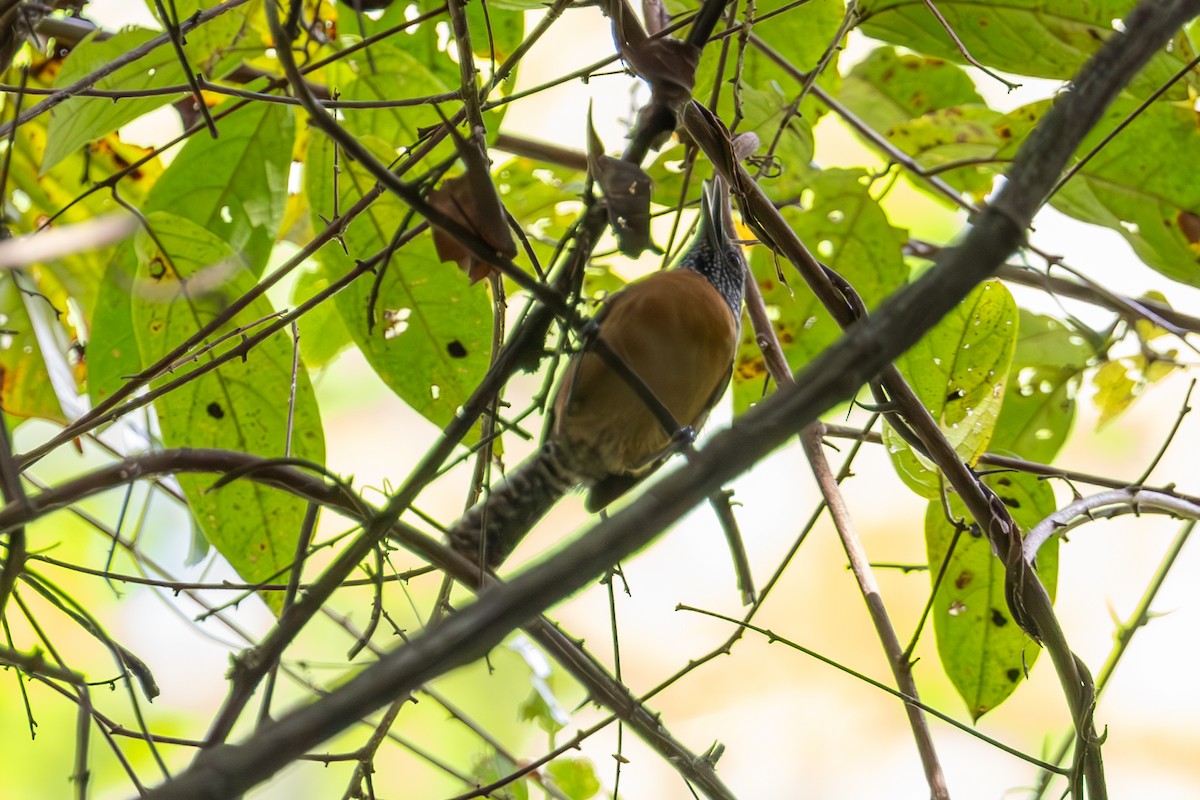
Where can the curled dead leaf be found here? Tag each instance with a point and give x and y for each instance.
(626, 188)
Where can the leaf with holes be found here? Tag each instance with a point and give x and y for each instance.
(185, 277)
(1040, 38)
(958, 371)
(427, 333)
(852, 235)
(983, 651)
(1039, 402)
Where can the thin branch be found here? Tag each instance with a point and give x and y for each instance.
(811, 439)
(1080, 511)
(962, 48)
(913, 701)
(1140, 617)
(126, 58)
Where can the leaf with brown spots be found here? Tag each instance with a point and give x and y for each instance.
(852, 235)
(983, 655)
(1026, 37)
(242, 405)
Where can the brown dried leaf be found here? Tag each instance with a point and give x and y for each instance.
(668, 65)
(459, 200)
(626, 189)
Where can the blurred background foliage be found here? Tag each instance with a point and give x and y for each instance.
(881, 134)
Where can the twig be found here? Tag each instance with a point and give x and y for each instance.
(130, 57)
(1157, 93)
(1140, 616)
(962, 48)
(1162, 451)
(1020, 465)
(811, 439)
(883, 687)
(1078, 512)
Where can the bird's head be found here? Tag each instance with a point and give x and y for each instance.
(714, 253)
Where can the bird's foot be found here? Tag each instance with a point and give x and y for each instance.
(682, 439)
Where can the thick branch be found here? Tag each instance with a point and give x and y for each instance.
(862, 353)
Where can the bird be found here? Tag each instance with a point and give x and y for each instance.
(678, 331)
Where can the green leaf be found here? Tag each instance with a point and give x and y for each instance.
(983, 651)
(802, 35)
(1121, 381)
(1115, 390)
(575, 777)
(755, 87)
(113, 353)
(1040, 38)
(953, 134)
(851, 234)
(431, 339)
(393, 73)
(214, 47)
(60, 191)
(1039, 402)
(322, 333)
(958, 371)
(887, 88)
(25, 387)
(533, 193)
(79, 120)
(497, 28)
(1126, 188)
(491, 767)
(243, 405)
(536, 708)
(235, 185)
(784, 136)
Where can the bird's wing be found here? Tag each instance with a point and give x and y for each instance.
(675, 331)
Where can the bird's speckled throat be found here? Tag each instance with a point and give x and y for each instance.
(713, 253)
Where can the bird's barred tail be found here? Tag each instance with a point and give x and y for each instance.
(493, 528)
